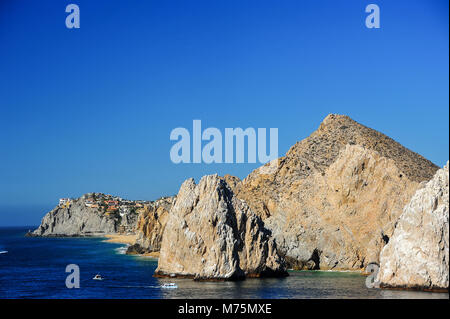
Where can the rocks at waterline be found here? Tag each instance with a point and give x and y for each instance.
(332, 201)
(417, 255)
(212, 235)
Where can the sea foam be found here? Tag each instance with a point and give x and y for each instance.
(121, 250)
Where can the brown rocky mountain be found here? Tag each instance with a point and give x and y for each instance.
(333, 199)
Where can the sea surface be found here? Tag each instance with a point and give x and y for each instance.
(35, 268)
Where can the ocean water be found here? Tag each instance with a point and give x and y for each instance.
(35, 268)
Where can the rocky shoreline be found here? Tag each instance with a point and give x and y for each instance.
(341, 199)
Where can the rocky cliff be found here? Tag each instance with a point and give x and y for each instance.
(332, 201)
(210, 234)
(84, 217)
(150, 226)
(417, 256)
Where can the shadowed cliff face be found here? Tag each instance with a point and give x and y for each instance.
(417, 256)
(210, 234)
(332, 200)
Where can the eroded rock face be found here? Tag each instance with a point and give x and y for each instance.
(332, 201)
(76, 220)
(150, 226)
(417, 256)
(210, 234)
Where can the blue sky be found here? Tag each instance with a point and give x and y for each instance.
(91, 109)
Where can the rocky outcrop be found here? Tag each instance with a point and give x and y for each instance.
(332, 201)
(417, 256)
(84, 217)
(212, 235)
(150, 226)
(152, 222)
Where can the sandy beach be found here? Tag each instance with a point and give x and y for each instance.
(121, 239)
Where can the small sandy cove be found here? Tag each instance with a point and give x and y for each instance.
(121, 239)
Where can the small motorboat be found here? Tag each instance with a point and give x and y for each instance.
(169, 285)
(98, 277)
(3, 252)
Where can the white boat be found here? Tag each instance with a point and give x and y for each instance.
(169, 285)
(3, 252)
(98, 277)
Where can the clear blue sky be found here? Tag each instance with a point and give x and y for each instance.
(92, 109)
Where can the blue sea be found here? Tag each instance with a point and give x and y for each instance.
(35, 268)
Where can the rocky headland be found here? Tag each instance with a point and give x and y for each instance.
(91, 215)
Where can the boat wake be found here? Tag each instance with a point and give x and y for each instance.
(3, 252)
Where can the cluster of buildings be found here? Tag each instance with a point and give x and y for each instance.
(65, 202)
(111, 204)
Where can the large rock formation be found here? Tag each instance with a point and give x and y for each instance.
(417, 256)
(150, 226)
(85, 217)
(210, 234)
(152, 222)
(332, 201)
